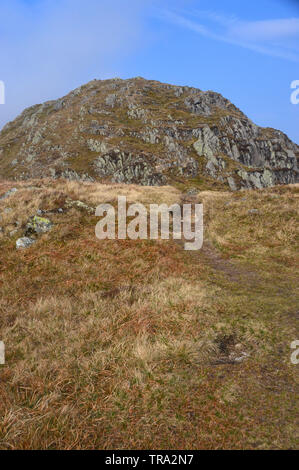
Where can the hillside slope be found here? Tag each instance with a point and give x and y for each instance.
(138, 344)
(146, 132)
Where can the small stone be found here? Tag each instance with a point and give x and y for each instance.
(24, 242)
(241, 358)
(8, 193)
(253, 211)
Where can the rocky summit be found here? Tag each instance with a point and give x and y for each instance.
(149, 133)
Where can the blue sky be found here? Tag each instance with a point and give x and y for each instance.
(248, 51)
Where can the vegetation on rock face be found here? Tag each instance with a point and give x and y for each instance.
(139, 344)
(146, 132)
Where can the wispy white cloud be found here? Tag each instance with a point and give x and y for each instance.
(276, 38)
(267, 30)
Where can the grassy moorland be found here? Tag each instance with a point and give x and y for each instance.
(133, 344)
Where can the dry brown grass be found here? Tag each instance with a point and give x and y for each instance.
(113, 344)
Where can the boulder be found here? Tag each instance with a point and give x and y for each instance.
(38, 225)
(24, 242)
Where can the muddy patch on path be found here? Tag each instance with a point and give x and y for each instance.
(235, 273)
(211, 257)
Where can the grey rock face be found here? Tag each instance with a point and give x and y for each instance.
(127, 168)
(135, 112)
(232, 183)
(145, 132)
(111, 100)
(69, 174)
(204, 103)
(273, 159)
(59, 105)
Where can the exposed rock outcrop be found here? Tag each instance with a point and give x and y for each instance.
(145, 132)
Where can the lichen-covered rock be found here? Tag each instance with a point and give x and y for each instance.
(38, 225)
(79, 205)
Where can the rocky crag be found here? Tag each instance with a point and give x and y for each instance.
(149, 133)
